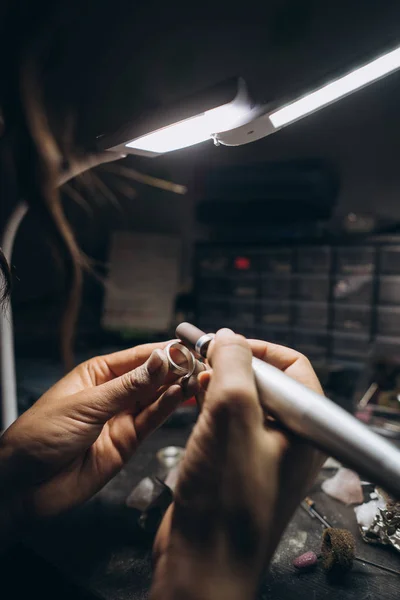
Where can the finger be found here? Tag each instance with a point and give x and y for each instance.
(107, 367)
(158, 412)
(203, 381)
(189, 387)
(280, 357)
(232, 389)
(154, 415)
(293, 363)
(197, 391)
(163, 536)
(100, 403)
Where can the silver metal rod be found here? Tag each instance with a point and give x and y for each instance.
(309, 506)
(328, 426)
(9, 405)
(8, 376)
(378, 566)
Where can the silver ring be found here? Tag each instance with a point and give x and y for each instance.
(207, 337)
(186, 372)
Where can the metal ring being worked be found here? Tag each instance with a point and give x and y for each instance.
(186, 372)
(204, 339)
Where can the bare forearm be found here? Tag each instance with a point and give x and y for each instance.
(199, 582)
(184, 572)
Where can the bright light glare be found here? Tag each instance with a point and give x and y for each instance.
(191, 131)
(337, 89)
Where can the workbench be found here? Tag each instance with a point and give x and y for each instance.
(100, 548)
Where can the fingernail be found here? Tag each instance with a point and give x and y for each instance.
(224, 334)
(203, 381)
(155, 362)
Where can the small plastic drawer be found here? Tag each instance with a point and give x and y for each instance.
(308, 314)
(245, 330)
(351, 346)
(389, 289)
(352, 319)
(276, 287)
(353, 289)
(390, 260)
(277, 260)
(282, 336)
(245, 288)
(215, 286)
(312, 288)
(215, 311)
(357, 260)
(245, 265)
(243, 314)
(314, 259)
(275, 313)
(388, 321)
(211, 263)
(209, 326)
(313, 344)
(389, 346)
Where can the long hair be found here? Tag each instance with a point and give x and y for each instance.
(34, 151)
(58, 58)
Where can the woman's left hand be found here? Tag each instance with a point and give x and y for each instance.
(80, 433)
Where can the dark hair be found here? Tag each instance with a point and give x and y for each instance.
(65, 67)
(34, 149)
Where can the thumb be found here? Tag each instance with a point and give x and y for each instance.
(232, 391)
(127, 392)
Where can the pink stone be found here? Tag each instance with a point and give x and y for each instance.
(344, 486)
(308, 560)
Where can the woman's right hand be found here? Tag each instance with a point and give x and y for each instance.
(240, 481)
(81, 432)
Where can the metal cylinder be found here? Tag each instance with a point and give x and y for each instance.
(328, 426)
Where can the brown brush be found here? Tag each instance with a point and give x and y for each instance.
(338, 551)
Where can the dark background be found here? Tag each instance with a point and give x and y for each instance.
(129, 57)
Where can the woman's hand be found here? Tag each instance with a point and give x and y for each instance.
(81, 432)
(241, 480)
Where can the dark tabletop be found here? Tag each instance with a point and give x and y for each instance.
(101, 549)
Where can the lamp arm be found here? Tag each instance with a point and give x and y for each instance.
(9, 405)
(9, 401)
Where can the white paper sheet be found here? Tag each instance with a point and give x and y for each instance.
(142, 283)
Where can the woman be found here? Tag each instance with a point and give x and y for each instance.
(224, 525)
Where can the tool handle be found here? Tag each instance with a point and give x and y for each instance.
(328, 426)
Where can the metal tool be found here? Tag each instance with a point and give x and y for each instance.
(316, 418)
(309, 506)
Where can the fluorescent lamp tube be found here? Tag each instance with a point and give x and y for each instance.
(192, 131)
(336, 89)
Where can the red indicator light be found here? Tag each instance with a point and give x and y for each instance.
(242, 263)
